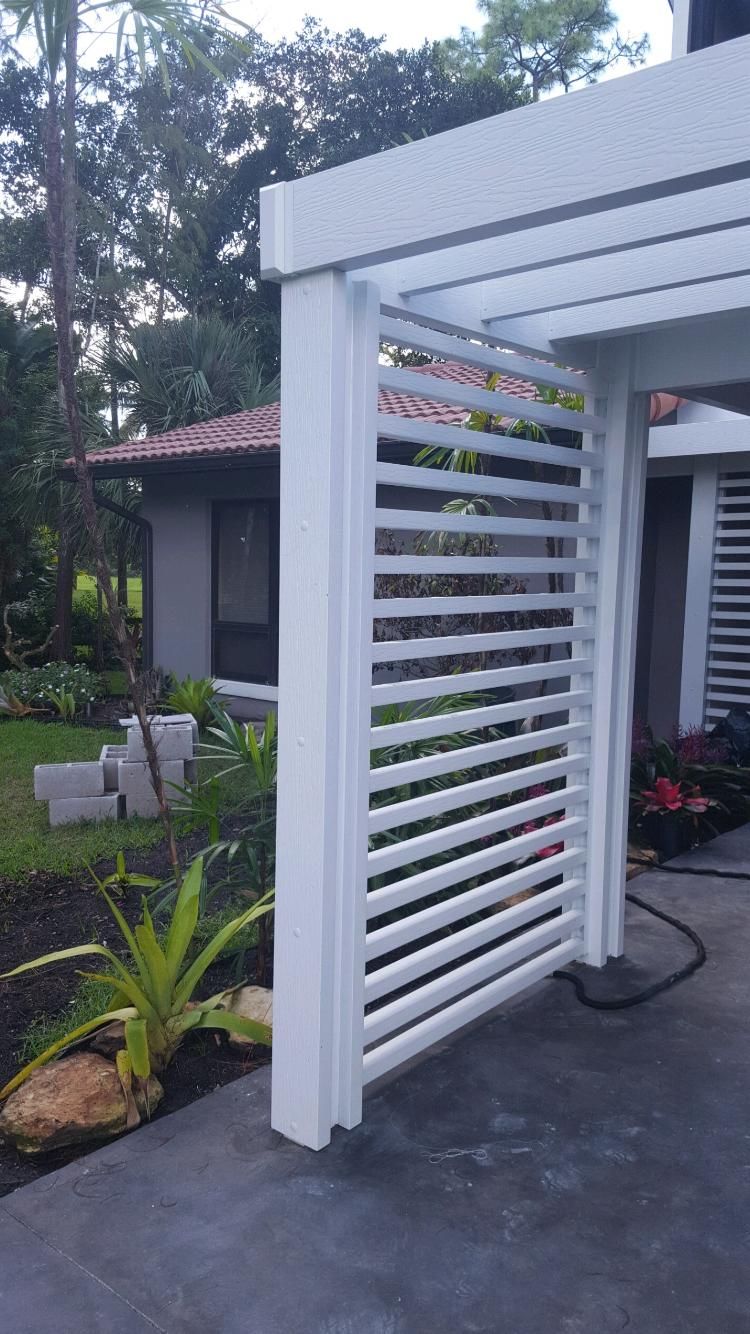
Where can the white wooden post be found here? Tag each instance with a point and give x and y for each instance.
(624, 483)
(328, 446)
(698, 591)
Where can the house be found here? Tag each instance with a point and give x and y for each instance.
(211, 498)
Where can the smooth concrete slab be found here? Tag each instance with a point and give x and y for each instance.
(554, 1170)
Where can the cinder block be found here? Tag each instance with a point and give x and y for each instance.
(182, 720)
(172, 743)
(109, 759)
(146, 806)
(134, 777)
(69, 810)
(191, 771)
(82, 779)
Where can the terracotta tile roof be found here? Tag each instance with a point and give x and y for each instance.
(258, 431)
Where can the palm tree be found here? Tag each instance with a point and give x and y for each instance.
(57, 26)
(188, 370)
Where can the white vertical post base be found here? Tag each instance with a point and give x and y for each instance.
(625, 448)
(329, 397)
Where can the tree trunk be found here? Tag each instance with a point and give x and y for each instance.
(58, 175)
(62, 644)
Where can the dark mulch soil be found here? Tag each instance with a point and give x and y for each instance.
(50, 912)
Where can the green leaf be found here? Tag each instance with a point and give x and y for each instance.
(127, 935)
(58, 956)
(100, 1022)
(195, 972)
(184, 919)
(235, 1023)
(128, 987)
(161, 982)
(136, 1041)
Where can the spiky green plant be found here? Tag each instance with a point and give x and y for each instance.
(153, 997)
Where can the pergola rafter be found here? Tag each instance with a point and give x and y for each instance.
(596, 243)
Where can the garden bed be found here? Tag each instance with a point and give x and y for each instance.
(48, 911)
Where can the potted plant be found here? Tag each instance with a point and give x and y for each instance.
(669, 814)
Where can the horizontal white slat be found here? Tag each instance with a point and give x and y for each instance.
(421, 521)
(447, 348)
(389, 1054)
(472, 757)
(730, 615)
(477, 605)
(402, 813)
(727, 516)
(719, 697)
(472, 484)
(421, 565)
(488, 400)
(723, 585)
(729, 567)
(415, 432)
(399, 973)
(412, 850)
(427, 920)
(737, 631)
(726, 548)
(728, 484)
(395, 692)
(405, 1009)
(466, 720)
(724, 533)
(403, 650)
(727, 682)
(426, 883)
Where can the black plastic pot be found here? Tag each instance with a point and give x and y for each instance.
(668, 835)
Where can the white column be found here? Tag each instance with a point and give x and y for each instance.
(681, 27)
(624, 482)
(328, 448)
(698, 590)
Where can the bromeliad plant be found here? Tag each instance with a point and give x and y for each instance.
(153, 995)
(687, 783)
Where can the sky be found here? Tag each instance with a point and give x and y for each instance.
(408, 22)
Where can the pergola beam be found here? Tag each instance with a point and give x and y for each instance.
(653, 310)
(630, 273)
(664, 130)
(616, 231)
(683, 358)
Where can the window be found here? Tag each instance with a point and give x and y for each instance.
(245, 590)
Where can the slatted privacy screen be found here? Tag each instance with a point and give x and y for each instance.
(483, 659)
(728, 660)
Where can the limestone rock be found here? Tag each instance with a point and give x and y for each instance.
(71, 1101)
(252, 1003)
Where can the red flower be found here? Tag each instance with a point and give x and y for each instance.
(553, 848)
(665, 796)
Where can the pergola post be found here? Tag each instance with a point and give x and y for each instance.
(700, 572)
(625, 448)
(328, 456)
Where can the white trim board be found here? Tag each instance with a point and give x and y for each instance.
(715, 437)
(247, 690)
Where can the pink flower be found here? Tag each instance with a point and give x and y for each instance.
(665, 796)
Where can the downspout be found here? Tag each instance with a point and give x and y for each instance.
(147, 534)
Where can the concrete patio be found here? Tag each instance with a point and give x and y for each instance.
(555, 1170)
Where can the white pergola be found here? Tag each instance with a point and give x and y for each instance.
(599, 242)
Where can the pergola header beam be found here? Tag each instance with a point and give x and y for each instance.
(616, 231)
(653, 310)
(659, 132)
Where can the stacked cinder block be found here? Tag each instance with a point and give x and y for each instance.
(174, 744)
(118, 784)
(75, 792)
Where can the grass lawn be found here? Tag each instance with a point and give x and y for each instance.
(86, 583)
(26, 841)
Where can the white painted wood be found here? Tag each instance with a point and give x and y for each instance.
(327, 500)
(483, 564)
(395, 692)
(509, 641)
(396, 934)
(491, 360)
(386, 608)
(698, 591)
(485, 400)
(675, 263)
(698, 438)
(459, 484)
(625, 449)
(421, 521)
(391, 976)
(653, 310)
(467, 720)
(516, 170)
(405, 1009)
(412, 431)
(411, 850)
(614, 232)
(388, 1055)
(681, 14)
(471, 757)
(684, 357)
(247, 690)
(401, 813)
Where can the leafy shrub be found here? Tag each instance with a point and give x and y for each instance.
(201, 698)
(154, 996)
(33, 685)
